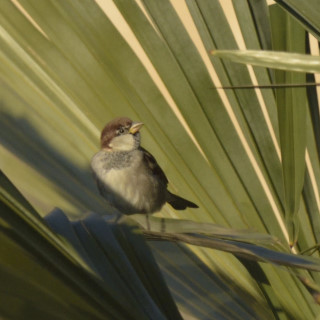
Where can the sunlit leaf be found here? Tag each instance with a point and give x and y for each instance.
(272, 59)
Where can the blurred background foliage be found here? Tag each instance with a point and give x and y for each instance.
(248, 157)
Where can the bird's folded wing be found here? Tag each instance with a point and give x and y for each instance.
(153, 166)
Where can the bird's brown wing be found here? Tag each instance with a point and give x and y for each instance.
(153, 166)
(175, 201)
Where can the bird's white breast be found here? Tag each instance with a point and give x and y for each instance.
(139, 190)
(122, 182)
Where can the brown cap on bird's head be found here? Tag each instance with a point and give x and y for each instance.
(115, 127)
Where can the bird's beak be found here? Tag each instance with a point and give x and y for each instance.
(135, 127)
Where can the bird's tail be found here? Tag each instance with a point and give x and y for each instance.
(179, 203)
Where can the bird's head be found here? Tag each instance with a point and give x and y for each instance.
(121, 134)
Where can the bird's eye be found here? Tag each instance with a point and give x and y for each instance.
(120, 130)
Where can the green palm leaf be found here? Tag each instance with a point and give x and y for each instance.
(68, 67)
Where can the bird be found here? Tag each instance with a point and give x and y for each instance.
(127, 175)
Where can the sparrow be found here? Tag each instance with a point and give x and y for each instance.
(127, 175)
